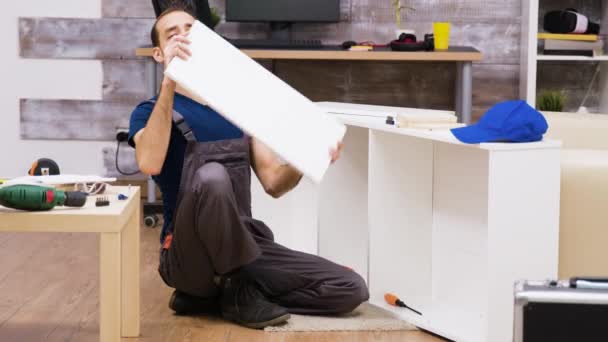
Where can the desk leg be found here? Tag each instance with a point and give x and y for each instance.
(109, 287)
(458, 91)
(130, 265)
(154, 87)
(465, 78)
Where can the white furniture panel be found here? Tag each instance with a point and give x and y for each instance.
(400, 217)
(257, 101)
(446, 226)
(523, 227)
(343, 205)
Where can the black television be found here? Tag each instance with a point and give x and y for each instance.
(281, 14)
(283, 11)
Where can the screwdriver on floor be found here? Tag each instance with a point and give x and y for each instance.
(393, 300)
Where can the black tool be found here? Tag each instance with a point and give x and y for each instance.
(390, 120)
(409, 42)
(348, 44)
(44, 167)
(102, 202)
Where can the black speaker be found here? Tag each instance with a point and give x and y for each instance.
(199, 7)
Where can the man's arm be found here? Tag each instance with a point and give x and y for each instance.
(276, 177)
(152, 142)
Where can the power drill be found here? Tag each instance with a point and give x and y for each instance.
(39, 198)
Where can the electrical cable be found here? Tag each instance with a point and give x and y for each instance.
(118, 168)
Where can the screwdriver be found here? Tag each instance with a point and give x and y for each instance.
(393, 300)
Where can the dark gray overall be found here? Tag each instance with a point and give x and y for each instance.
(213, 233)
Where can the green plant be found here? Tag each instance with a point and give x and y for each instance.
(216, 18)
(398, 7)
(551, 101)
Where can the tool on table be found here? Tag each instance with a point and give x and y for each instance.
(44, 167)
(390, 120)
(393, 300)
(102, 202)
(122, 197)
(39, 198)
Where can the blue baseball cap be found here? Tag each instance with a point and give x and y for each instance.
(509, 121)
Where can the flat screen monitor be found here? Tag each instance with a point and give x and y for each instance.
(283, 11)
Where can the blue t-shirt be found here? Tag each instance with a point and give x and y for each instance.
(207, 125)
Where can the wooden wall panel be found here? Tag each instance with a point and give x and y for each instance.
(127, 9)
(82, 38)
(73, 119)
(126, 80)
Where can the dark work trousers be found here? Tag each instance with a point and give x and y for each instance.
(213, 234)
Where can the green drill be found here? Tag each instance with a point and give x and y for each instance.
(39, 198)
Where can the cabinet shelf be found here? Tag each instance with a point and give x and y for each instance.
(531, 57)
(572, 58)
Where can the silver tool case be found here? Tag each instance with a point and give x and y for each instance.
(556, 311)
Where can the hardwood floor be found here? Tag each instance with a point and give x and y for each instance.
(49, 292)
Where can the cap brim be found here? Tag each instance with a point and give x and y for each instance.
(474, 135)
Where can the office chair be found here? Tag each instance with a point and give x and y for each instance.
(200, 7)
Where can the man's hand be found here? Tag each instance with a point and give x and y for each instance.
(335, 152)
(177, 46)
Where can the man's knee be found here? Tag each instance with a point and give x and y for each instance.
(356, 292)
(213, 178)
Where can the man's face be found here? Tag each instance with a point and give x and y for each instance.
(174, 23)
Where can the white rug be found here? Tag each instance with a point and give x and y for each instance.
(366, 317)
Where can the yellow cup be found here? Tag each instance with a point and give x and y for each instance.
(442, 35)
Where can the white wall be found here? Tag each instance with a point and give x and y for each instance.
(44, 79)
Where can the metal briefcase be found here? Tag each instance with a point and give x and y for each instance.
(568, 311)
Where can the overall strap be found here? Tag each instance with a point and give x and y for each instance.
(179, 122)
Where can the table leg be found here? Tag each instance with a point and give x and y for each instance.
(154, 87)
(458, 91)
(130, 265)
(466, 91)
(109, 287)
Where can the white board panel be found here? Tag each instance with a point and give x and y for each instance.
(343, 229)
(400, 213)
(251, 97)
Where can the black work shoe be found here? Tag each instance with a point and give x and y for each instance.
(185, 304)
(243, 303)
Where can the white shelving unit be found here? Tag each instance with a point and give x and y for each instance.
(530, 57)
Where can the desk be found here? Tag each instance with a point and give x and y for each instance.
(119, 259)
(446, 226)
(462, 56)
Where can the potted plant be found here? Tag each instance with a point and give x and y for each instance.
(216, 18)
(398, 8)
(551, 101)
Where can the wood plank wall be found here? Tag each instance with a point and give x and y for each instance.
(492, 26)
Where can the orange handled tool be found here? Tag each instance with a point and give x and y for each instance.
(393, 300)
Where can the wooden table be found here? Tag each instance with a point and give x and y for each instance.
(119, 259)
(462, 56)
